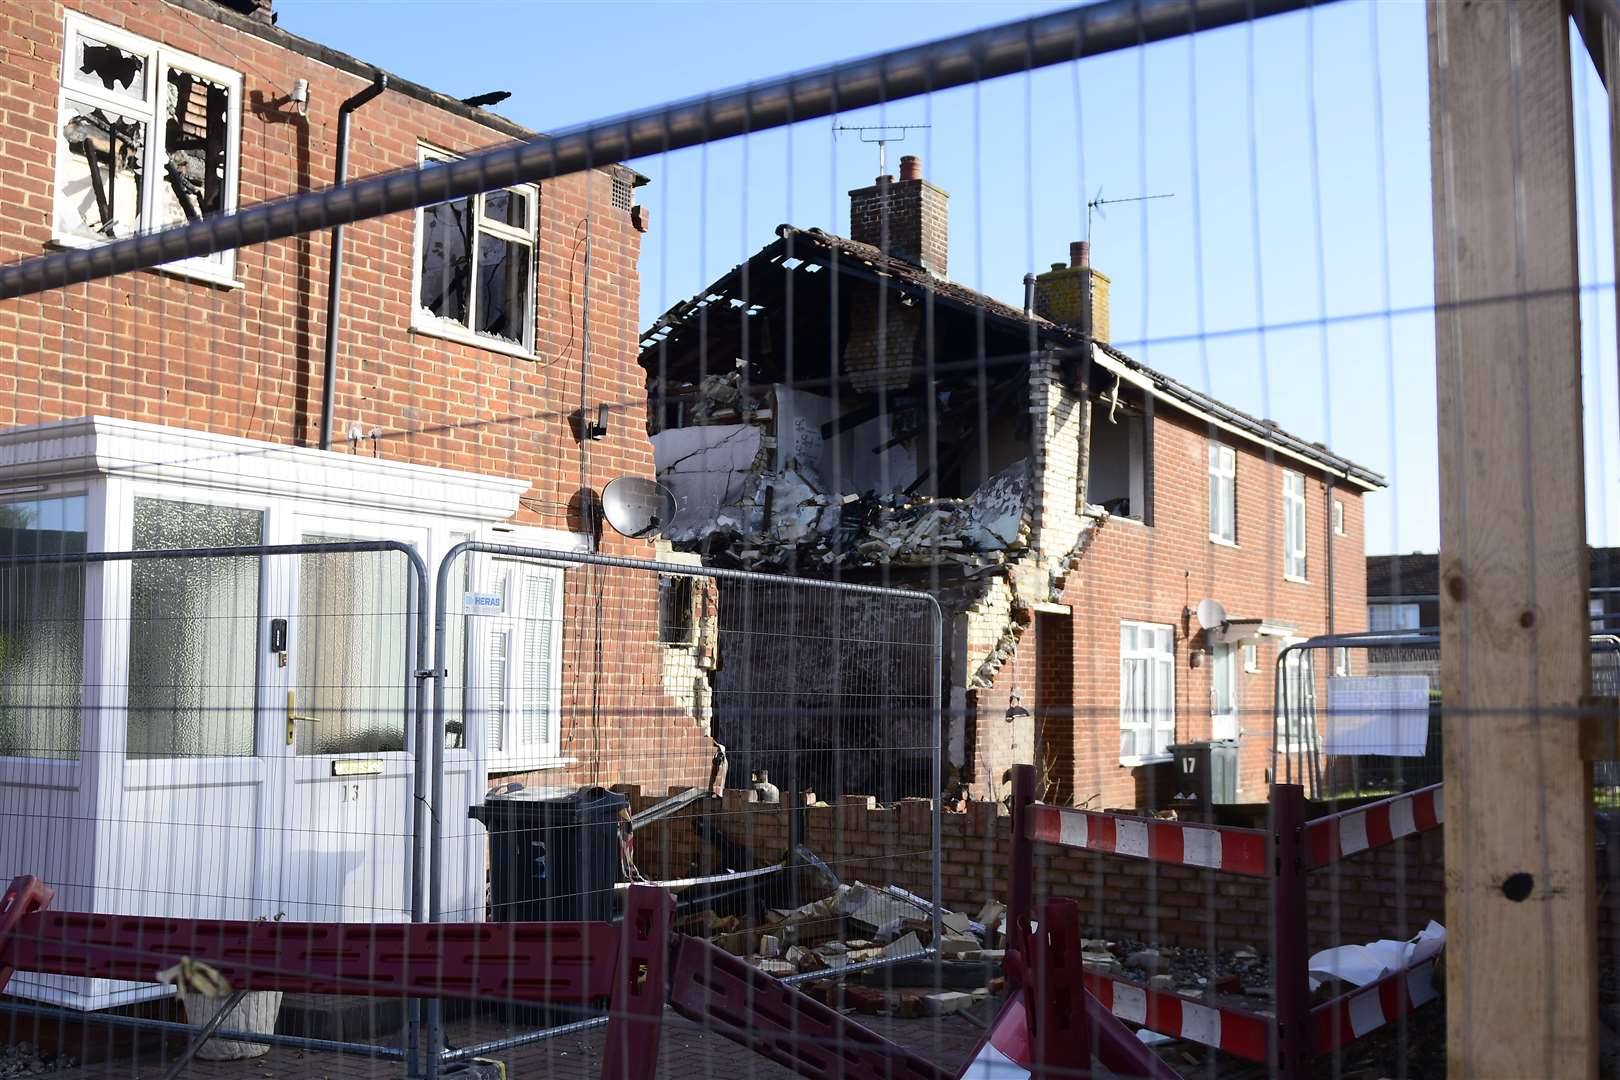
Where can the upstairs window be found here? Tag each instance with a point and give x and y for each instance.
(1222, 494)
(475, 266)
(1293, 526)
(1382, 616)
(147, 137)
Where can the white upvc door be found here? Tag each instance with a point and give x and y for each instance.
(1223, 697)
(346, 733)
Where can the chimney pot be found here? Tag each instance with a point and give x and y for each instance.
(1058, 266)
(910, 167)
(1080, 253)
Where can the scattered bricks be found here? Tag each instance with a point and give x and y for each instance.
(910, 1004)
(948, 1002)
(826, 991)
(864, 999)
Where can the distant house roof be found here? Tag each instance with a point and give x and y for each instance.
(1416, 576)
(752, 282)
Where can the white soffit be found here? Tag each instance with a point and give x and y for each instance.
(101, 446)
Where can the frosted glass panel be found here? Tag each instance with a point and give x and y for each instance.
(193, 633)
(349, 645)
(41, 630)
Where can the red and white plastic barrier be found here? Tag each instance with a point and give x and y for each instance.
(1232, 1030)
(1351, 832)
(1345, 1019)
(1231, 850)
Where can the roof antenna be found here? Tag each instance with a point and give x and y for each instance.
(1096, 204)
(882, 134)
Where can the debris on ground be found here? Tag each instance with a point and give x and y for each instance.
(26, 1059)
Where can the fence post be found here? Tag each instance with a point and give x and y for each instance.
(1290, 949)
(1020, 859)
(1521, 918)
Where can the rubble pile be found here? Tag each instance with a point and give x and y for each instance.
(789, 516)
(26, 1059)
(756, 486)
(856, 925)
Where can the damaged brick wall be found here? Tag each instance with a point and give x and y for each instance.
(825, 691)
(246, 360)
(1153, 574)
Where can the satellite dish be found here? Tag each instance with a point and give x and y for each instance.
(1210, 614)
(637, 507)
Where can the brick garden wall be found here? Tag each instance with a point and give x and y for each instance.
(1392, 892)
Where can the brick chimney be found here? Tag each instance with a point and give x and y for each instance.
(1075, 295)
(905, 217)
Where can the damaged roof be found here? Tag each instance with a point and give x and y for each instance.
(751, 289)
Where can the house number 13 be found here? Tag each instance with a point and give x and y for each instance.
(351, 792)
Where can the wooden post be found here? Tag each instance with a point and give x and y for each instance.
(1521, 964)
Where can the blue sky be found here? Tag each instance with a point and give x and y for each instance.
(1296, 150)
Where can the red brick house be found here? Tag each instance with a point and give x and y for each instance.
(182, 407)
(839, 406)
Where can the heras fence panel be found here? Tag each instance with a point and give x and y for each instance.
(763, 746)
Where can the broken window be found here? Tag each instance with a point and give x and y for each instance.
(1118, 474)
(147, 138)
(674, 609)
(475, 268)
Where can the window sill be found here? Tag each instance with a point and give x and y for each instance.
(219, 278)
(1221, 541)
(463, 336)
(1296, 580)
(1144, 759)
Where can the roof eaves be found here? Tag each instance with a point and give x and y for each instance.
(354, 66)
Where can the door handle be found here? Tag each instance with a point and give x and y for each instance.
(293, 717)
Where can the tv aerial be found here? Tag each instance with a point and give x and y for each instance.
(638, 507)
(882, 134)
(1095, 205)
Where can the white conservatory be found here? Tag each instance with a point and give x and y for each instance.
(233, 737)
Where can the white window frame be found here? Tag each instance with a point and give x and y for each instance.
(1223, 724)
(1341, 662)
(426, 322)
(1401, 617)
(1300, 661)
(1222, 494)
(158, 59)
(1165, 722)
(515, 754)
(1295, 566)
(1251, 658)
(1338, 517)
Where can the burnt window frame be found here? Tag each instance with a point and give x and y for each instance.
(148, 107)
(426, 321)
(677, 597)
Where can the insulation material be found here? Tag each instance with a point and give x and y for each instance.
(708, 470)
